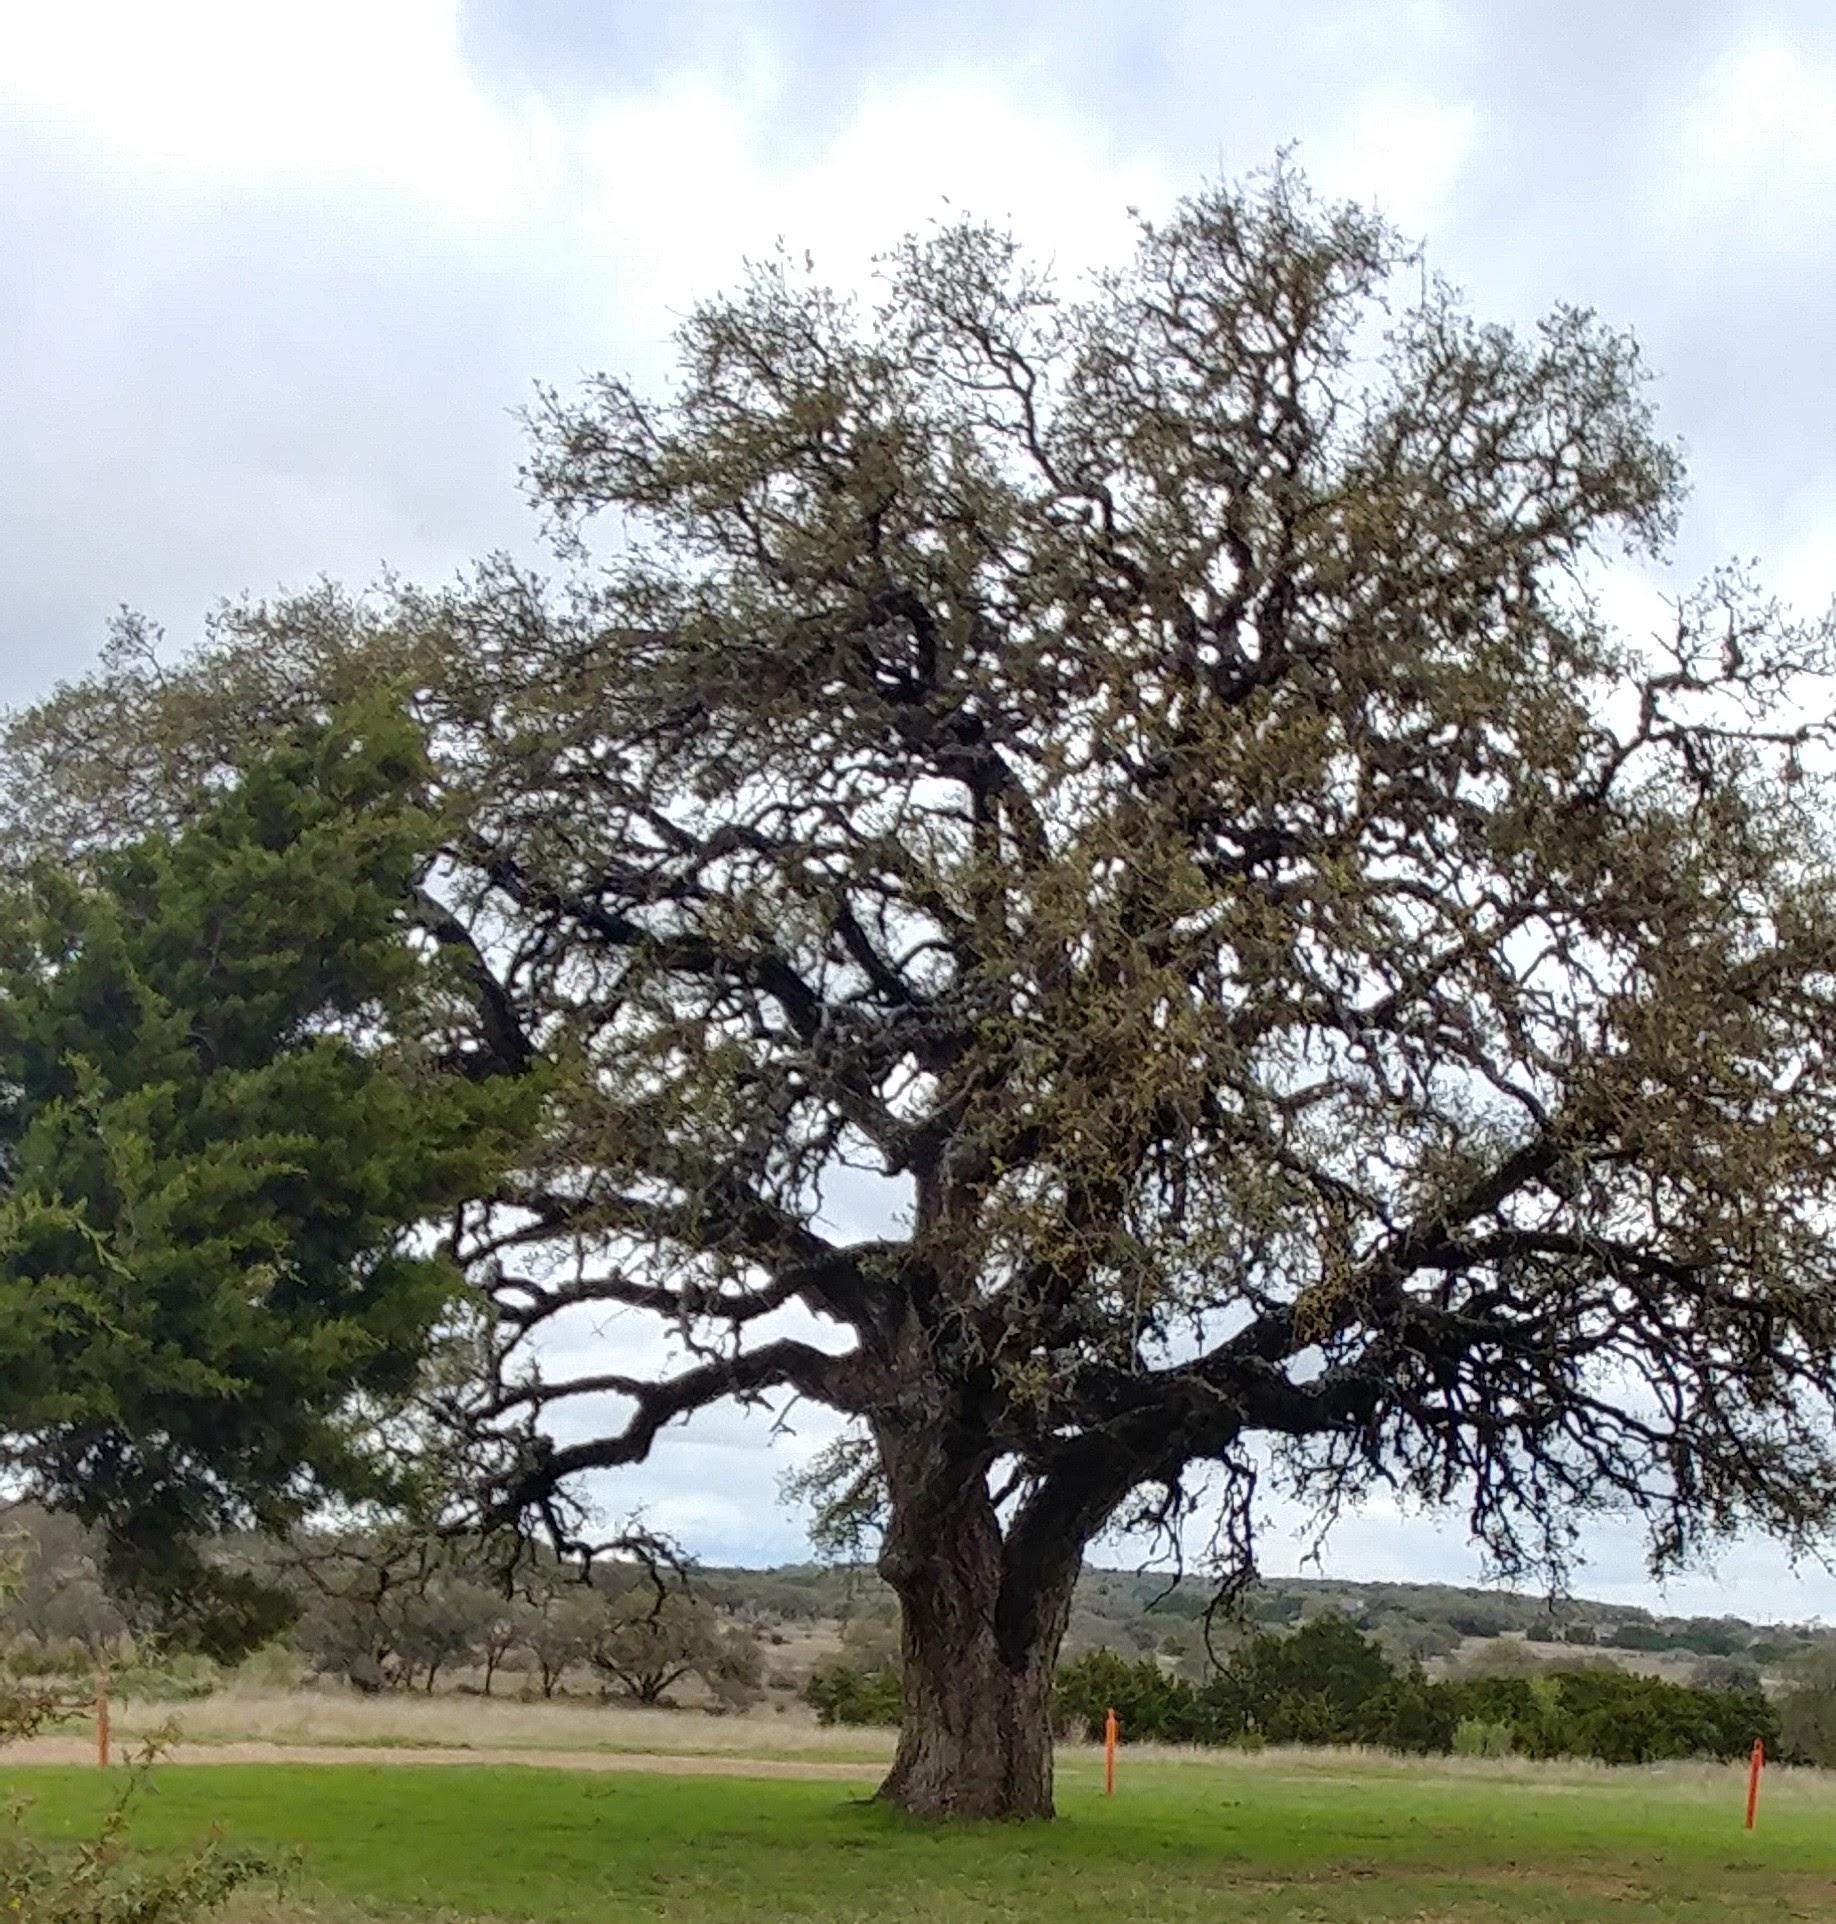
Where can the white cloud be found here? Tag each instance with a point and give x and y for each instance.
(1757, 145)
(1637, 603)
(688, 181)
(227, 93)
(1400, 149)
(1806, 570)
(673, 185)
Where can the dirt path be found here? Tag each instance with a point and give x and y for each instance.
(68, 1750)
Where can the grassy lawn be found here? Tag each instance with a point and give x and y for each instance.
(1321, 1842)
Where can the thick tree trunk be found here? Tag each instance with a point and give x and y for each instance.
(981, 1638)
(976, 1737)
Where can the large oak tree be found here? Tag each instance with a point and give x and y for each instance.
(1146, 772)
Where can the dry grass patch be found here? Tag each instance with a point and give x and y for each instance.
(335, 1718)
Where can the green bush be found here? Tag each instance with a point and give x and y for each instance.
(181, 1677)
(1409, 1714)
(274, 1666)
(1328, 1683)
(30, 1657)
(1641, 1636)
(1482, 1737)
(840, 1694)
(1807, 1713)
(1152, 1705)
(1325, 1683)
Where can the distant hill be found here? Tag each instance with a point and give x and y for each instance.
(1139, 1613)
(809, 1615)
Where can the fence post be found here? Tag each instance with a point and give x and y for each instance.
(1753, 1776)
(1109, 1754)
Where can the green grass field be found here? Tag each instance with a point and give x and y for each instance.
(1323, 1841)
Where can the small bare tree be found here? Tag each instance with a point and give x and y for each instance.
(560, 1635)
(649, 1639)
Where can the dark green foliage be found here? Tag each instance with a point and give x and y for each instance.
(1410, 1714)
(1640, 1636)
(1624, 1719)
(1328, 1684)
(1325, 1683)
(840, 1694)
(1324, 1673)
(1715, 1638)
(215, 1151)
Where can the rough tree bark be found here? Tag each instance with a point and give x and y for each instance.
(983, 1612)
(975, 1739)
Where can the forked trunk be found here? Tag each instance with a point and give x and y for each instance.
(976, 1734)
(981, 1644)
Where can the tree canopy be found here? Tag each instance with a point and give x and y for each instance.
(216, 1146)
(1143, 773)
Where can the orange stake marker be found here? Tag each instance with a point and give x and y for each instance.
(1753, 1777)
(1109, 1754)
(102, 1718)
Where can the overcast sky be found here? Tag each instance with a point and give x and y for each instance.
(274, 277)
